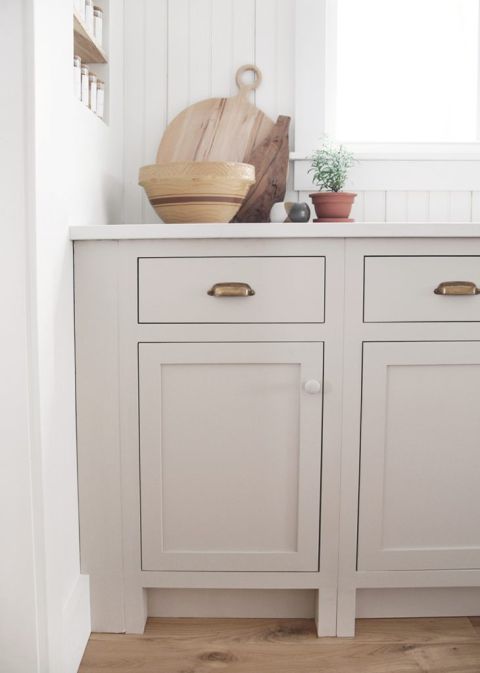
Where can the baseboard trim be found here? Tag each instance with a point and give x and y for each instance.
(371, 603)
(76, 625)
(441, 602)
(261, 603)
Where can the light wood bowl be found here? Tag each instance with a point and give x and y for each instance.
(197, 191)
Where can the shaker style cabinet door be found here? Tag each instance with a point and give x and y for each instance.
(420, 456)
(230, 455)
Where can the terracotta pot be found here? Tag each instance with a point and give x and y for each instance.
(333, 206)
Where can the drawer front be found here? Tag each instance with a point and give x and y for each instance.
(401, 289)
(286, 289)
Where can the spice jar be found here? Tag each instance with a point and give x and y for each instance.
(98, 25)
(77, 77)
(89, 16)
(85, 85)
(93, 91)
(100, 98)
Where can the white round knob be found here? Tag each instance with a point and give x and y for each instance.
(312, 386)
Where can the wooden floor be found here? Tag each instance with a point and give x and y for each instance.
(447, 645)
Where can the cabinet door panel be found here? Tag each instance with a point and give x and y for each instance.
(420, 456)
(230, 448)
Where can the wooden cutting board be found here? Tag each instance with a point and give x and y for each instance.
(217, 129)
(270, 159)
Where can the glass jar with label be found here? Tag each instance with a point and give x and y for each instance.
(77, 77)
(98, 25)
(89, 16)
(85, 85)
(100, 99)
(93, 92)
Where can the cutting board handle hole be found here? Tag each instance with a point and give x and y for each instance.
(244, 88)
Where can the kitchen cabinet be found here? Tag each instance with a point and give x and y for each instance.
(230, 447)
(202, 394)
(420, 458)
(409, 542)
(279, 411)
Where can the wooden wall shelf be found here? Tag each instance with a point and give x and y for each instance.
(85, 45)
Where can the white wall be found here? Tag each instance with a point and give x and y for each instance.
(67, 597)
(60, 165)
(22, 615)
(78, 174)
(180, 51)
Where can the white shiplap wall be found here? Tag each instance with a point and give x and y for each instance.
(180, 51)
(417, 206)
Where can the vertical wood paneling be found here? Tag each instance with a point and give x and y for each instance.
(155, 100)
(134, 114)
(243, 37)
(291, 194)
(274, 50)
(417, 206)
(223, 77)
(178, 79)
(374, 206)
(358, 209)
(396, 206)
(285, 63)
(155, 69)
(460, 207)
(266, 50)
(476, 207)
(439, 207)
(200, 50)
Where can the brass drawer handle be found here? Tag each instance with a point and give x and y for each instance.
(457, 287)
(231, 290)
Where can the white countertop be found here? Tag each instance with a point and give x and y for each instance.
(272, 230)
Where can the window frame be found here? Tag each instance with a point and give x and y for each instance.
(315, 97)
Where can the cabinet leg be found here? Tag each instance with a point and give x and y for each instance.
(346, 613)
(326, 612)
(107, 603)
(135, 609)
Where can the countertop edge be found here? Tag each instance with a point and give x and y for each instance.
(273, 230)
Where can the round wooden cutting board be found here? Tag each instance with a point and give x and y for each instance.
(217, 129)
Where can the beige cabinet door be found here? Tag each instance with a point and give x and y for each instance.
(230, 455)
(420, 456)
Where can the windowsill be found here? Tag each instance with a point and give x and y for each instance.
(407, 152)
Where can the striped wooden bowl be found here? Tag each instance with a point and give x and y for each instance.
(197, 191)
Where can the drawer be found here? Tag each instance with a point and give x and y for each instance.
(286, 289)
(401, 288)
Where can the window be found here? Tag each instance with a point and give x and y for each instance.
(407, 71)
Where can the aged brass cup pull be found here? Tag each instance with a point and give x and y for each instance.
(231, 290)
(457, 287)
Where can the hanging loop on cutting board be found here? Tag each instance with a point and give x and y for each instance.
(244, 88)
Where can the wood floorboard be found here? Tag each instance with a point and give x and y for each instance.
(475, 621)
(447, 645)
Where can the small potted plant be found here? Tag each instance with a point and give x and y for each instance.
(330, 166)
